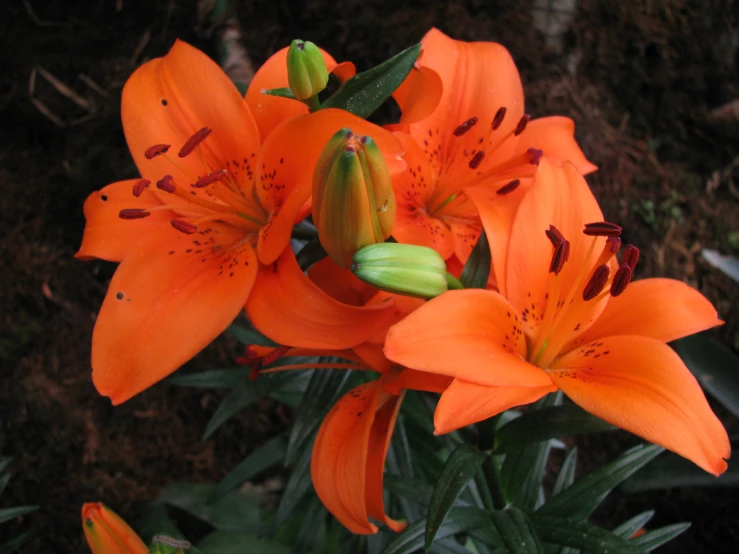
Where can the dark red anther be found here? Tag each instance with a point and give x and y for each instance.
(521, 127)
(166, 184)
(498, 119)
(156, 150)
(614, 243)
(139, 186)
(534, 155)
(602, 229)
(560, 256)
(133, 213)
(554, 236)
(597, 282)
(477, 160)
(193, 142)
(184, 226)
(464, 127)
(621, 280)
(508, 188)
(631, 256)
(273, 355)
(206, 180)
(254, 373)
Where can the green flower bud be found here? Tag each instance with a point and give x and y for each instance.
(353, 200)
(402, 268)
(306, 71)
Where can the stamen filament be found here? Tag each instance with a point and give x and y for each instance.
(316, 366)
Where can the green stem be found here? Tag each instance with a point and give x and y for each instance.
(493, 480)
(312, 103)
(453, 283)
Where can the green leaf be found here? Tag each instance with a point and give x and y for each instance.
(214, 378)
(476, 270)
(581, 535)
(248, 335)
(269, 454)
(324, 389)
(14, 544)
(365, 92)
(418, 492)
(156, 521)
(227, 542)
(298, 484)
(631, 526)
(283, 92)
(5, 462)
(11, 513)
(522, 474)
(670, 471)
(458, 520)
(566, 475)
(234, 512)
(241, 397)
(579, 500)
(461, 466)
(657, 537)
(517, 532)
(714, 365)
(547, 423)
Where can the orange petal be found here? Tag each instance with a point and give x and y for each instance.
(640, 384)
(168, 99)
(377, 447)
(269, 111)
(419, 380)
(286, 166)
(419, 94)
(558, 196)
(349, 454)
(107, 533)
(663, 309)
(413, 187)
(555, 136)
(169, 298)
(464, 403)
(339, 283)
(290, 309)
(107, 236)
(478, 78)
(465, 233)
(471, 334)
(497, 212)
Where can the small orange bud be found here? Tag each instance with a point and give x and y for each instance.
(353, 200)
(107, 533)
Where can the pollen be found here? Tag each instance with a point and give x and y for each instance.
(508, 188)
(464, 127)
(156, 150)
(602, 229)
(597, 282)
(184, 226)
(621, 280)
(166, 184)
(133, 213)
(498, 119)
(139, 186)
(522, 123)
(193, 142)
(477, 160)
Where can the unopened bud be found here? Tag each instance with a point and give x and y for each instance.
(306, 69)
(107, 533)
(353, 200)
(402, 268)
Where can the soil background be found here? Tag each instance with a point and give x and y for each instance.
(640, 79)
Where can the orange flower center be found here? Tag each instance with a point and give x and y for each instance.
(214, 196)
(567, 310)
(463, 167)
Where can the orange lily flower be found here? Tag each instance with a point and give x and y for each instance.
(477, 134)
(192, 232)
(566, 320)
(349, 453)
(107, 533)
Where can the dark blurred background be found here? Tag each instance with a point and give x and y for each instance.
(649, 84)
